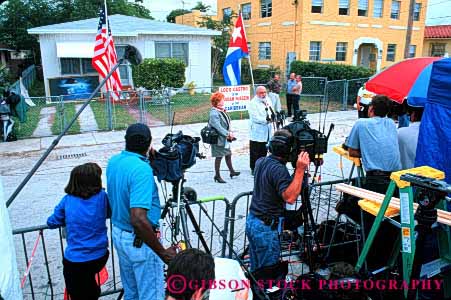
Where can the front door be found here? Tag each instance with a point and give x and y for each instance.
(365, 53)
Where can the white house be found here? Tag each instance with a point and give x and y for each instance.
(67, 50)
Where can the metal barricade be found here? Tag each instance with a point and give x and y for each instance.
(41, 269)
(323, 198)
(212, 217)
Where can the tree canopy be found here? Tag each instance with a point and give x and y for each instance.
(16, 16)
(201, 6)
(175, 13)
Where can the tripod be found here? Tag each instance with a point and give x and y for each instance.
(310, 240)
(181, 199)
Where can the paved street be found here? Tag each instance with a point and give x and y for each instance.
(36, 202)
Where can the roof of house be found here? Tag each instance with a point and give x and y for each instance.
(439, 31)
(124, 26)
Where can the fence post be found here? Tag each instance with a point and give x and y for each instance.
(141, 107)
(109, 111)
(168, 105)
(63, 114)
(345, 95)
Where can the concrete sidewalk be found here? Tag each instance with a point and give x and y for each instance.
(343, 121)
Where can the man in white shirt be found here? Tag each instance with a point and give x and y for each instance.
(297, 90)
(363, 101)
(408, 138)
(261, 115)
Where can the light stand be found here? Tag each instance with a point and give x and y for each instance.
(132, 55)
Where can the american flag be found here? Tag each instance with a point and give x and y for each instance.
(105, 56)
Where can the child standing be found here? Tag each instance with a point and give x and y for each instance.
(83, 211)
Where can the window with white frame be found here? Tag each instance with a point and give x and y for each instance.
(317, 6)
(362, 10)
(266, 8)
(417, 12)
(124, 69)
(391, 52)
(412, 50)
(437, 49)
(315, 51)
(343, 7)
(249, 47)
(378, 8)
(76, 66)
(395, 5)
(246, 10)
(226, 14)
(340, 54)
(264, 50)
(177, 50)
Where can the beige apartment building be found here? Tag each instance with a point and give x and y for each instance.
(437, 41)
(369, 33)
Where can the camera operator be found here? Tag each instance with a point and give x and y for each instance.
(135, 206)
(273, 187)
(261, 116)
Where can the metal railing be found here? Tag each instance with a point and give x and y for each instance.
(42, 275)
(221, 223)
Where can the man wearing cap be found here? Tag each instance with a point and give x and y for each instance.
(363, 102)
(135, 206)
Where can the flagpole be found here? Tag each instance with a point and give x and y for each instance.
(106, 17)
(248, 56)
(107, 25)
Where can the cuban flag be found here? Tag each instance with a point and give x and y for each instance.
(237, 50)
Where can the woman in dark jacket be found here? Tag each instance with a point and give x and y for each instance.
(221, 122)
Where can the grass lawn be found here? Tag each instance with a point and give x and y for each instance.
(121, 120)
(26, 129)
(59, 124)
(194, 109)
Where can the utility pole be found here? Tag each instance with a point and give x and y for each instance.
(409, 29)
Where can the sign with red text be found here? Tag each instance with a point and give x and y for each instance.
(236, 97)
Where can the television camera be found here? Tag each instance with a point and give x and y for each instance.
(314, 142)
(178, 154)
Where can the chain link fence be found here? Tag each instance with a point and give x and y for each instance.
(155, 107)
(353, 87)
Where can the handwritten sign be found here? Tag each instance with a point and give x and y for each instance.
(236, 97)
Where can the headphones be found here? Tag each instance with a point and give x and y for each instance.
(280, 145)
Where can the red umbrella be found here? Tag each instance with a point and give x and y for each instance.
(396, 81)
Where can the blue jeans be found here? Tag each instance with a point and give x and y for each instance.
(141, 269)
(264, 244)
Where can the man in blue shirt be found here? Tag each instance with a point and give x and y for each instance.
(273, 187)
(375, 140)
(135, 207)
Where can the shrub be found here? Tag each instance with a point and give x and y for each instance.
(261, 76)
(155, 73)
(330, 70)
